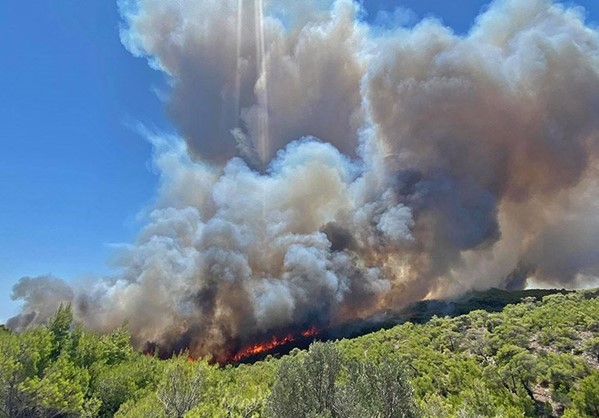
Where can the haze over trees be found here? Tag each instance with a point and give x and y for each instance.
(535, 358)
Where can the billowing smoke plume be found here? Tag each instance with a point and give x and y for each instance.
(328, 169)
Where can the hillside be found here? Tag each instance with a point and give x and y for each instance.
(538, 357)
(494, 364)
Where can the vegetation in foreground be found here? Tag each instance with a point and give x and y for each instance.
(539, 357)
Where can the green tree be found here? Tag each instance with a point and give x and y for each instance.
(518, 368)
(563, 370)
(592, 347)
(181, 387)
(62, 327)
(147, 407)
(377, 390)
(305, 384)
(61, 390)
(22, 358)
(11, 375)
(585, 400)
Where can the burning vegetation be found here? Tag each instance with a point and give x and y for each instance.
(301, 339)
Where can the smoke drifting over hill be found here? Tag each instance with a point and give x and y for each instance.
(328, 169)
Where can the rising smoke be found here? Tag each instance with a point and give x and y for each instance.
(329, 169)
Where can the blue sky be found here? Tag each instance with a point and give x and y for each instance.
(73, 175)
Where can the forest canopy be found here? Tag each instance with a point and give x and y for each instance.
(538, 357)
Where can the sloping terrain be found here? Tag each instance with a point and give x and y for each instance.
(537, 357)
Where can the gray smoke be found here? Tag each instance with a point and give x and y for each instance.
(278, 77)
(327, 170)
(41, 296)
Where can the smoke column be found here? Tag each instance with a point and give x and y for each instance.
(328, 169)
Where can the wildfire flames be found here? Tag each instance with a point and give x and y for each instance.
(310, 332)
(274, 342)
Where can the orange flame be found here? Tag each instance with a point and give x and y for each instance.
(271, 344)
(310, 332)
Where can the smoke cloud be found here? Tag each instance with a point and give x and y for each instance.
(328, 169)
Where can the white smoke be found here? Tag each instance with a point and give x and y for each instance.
(327, 171)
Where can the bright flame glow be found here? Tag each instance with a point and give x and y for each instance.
(263, 347)
(310, 332)
(274, 342)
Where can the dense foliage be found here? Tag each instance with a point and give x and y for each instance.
(539, 357)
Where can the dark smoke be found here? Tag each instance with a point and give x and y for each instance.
(327, 171)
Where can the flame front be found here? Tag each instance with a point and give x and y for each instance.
(311, 332)
(274, 342)
(263, 347)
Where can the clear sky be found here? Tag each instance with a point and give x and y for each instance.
(73, 174)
